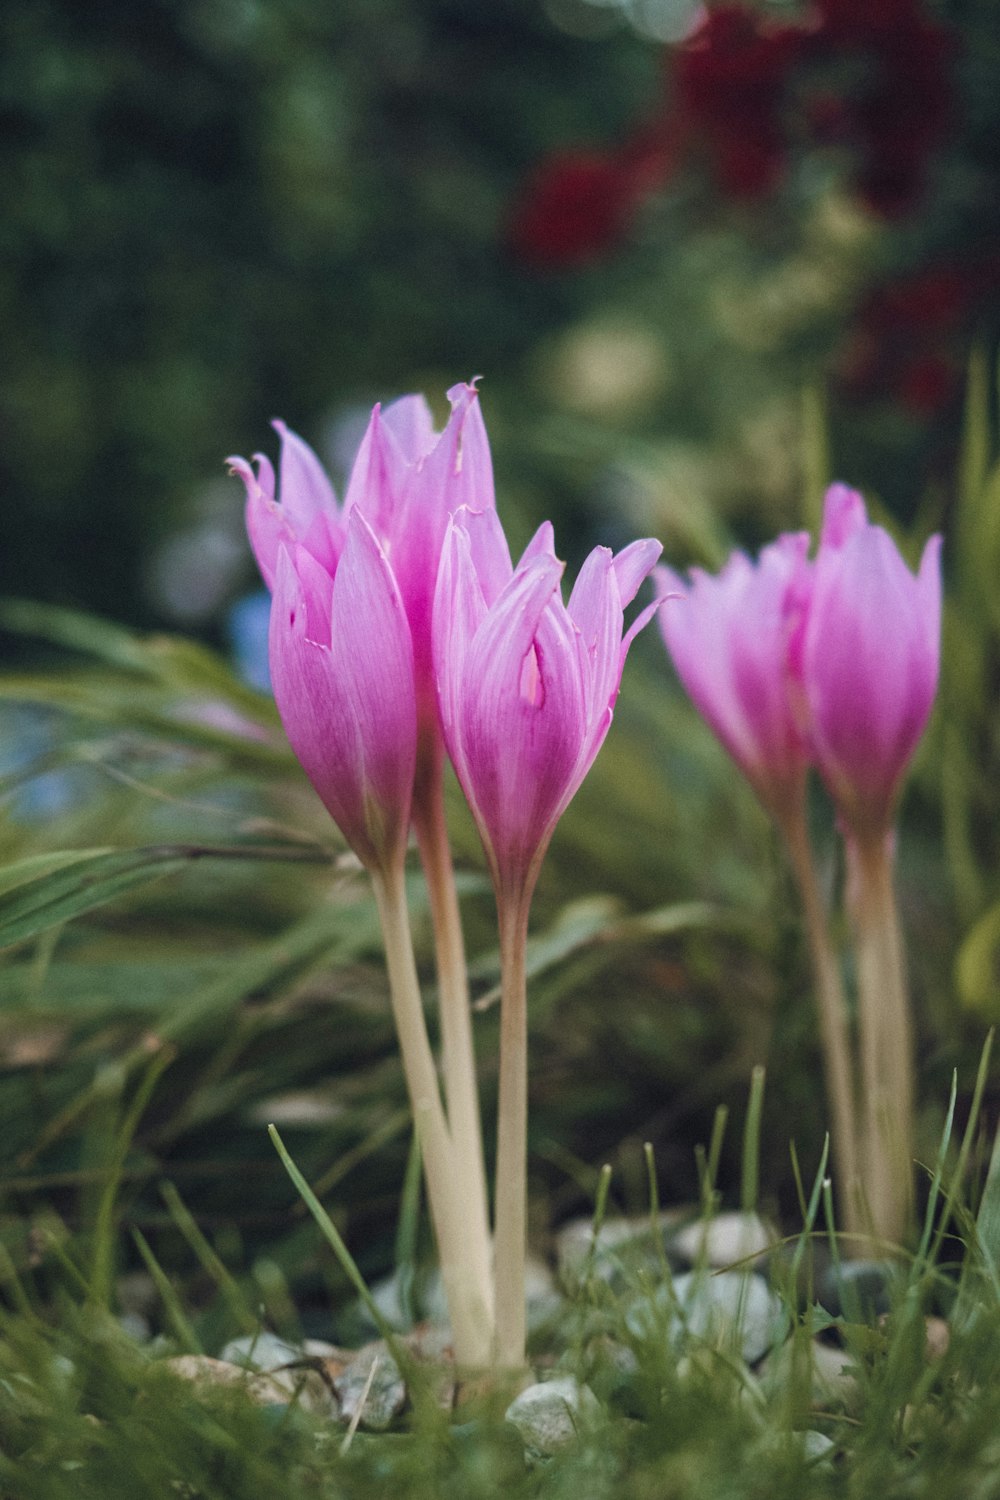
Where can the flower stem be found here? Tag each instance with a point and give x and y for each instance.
(886, 1031)
(510, 1214)
(468, 1295)
(458, 1055)
(838, 1062)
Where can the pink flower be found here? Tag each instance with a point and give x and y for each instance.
(526, 684)
(867, 661)
(342, 670)
(729, 638)
(349, 642)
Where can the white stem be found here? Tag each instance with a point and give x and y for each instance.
(887, 1050)
(468, 1299)
(457, 1047)
(838, 1062)
(512, 1135)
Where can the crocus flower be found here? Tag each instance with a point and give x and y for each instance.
(352, 585)
(729, 638)
(867, 661)
(341, 659)
(526, 683)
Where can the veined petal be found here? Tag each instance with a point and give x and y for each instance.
(410, 421)
(267, 527)
(378, 477)
(490, 553)
(348, 707)
(510, 625)
(542, 544)
(304, 488)
(373, 651)
(316, 586)
(473, 458)
(459, 609)
(633, 565)
(523, 718)
(435, 487)
(870, 659)
(595, 608)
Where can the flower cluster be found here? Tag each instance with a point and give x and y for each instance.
(400, 629)
(832, 662)
(398, 618)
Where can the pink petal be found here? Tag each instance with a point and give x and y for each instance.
(459, 610)
(523, 718)
(304, 489)
(316, 586)
(411, 424)
(378, 476)
(633, 565)
(542, 544)
(731, 639)
(595, 608)
(267, 527)
(870, 665)
(348, 708)
(473, 456)
(844, 514)
(490, 552)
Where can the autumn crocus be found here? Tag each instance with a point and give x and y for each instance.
(527, 686)
(866, 659)
(730, 637)
(350, 658)
(868, 662)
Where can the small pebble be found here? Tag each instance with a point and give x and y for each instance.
(622, 1244)
(260, 1351)
(549, 1415)
(724, 1240)
(378, 1397)
(136, 1326)
(279, 1388)
(722, 1308)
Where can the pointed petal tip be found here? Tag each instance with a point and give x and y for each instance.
(463, 390)
(844, 513)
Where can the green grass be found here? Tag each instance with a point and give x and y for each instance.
(84, 1411)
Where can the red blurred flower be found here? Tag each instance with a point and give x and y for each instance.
(580, 203)
(911, 340)
(729, 79)
(869, 76)
(894, 117)
(575, 205)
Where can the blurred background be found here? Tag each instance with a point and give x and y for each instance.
(705, 259)
(661, 234)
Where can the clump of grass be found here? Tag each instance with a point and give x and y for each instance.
(85, 1411)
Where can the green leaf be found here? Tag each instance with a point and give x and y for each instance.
(81, 886)
(83, 882)
(36, 866)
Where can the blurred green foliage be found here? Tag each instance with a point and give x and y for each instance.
(219, 209)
